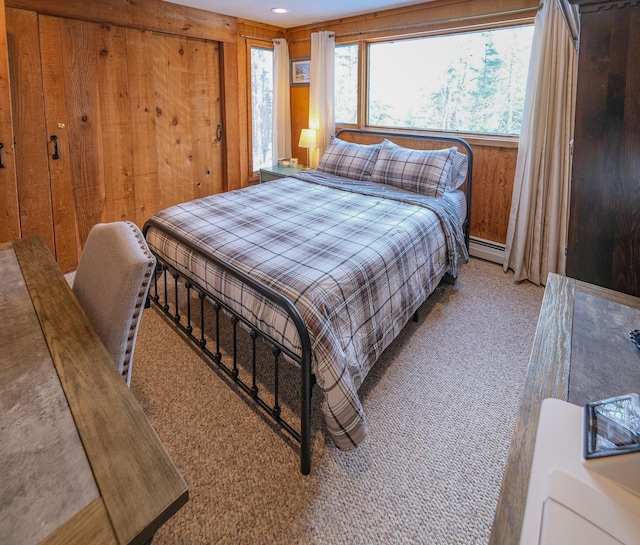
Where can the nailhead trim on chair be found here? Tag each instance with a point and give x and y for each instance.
(127, 362)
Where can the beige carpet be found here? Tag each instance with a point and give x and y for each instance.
(441, 405)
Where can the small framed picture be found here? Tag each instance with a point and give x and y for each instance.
(300, 71)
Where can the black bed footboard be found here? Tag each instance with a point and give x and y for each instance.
(177, 295)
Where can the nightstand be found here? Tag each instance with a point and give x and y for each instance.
(268, 174)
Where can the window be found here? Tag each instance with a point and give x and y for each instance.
(469, 82)
(261, 105)
(346, 84)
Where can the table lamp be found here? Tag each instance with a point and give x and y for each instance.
(308, 140)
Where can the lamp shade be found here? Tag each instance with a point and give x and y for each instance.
(308, 138)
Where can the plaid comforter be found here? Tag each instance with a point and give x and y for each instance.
(356, 258)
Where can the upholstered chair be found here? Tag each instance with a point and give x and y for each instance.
(111, 282)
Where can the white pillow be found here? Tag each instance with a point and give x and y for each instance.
(460, 164)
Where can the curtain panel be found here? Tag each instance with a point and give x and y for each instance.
(281, 114)
(321, 111)
(539, 216)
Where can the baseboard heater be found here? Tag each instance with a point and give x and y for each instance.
(486, 249)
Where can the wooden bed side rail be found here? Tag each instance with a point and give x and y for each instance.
(304, 359)
(409, 140)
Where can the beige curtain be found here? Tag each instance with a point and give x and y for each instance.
(321, 113)
(281, 113)
(539, 217)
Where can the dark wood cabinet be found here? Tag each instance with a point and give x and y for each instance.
(604, 223)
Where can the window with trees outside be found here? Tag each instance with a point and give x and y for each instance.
(261, 106)
(472, 82)
(346, 84)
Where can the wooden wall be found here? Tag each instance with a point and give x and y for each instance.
(9, 211)
(144, 106)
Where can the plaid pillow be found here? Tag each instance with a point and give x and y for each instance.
(349, 160)
(427, 172)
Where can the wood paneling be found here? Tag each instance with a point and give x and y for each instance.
(136, 116)
(434, 16)
(155, 15)
(206, 115)
(188, 112)
(9, 209)
(245, 115)
(231, 124)
(142, 104)
(170, 68)
(117, 150)
(299, 119)
(493, 173)
(31, 152)
(84, 122)
(67, 245)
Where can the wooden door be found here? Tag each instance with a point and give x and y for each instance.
(67, 243)
(31, 147)
(9, 210)
(112, 124)
(187, 108)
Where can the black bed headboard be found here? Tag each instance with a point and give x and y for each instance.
(364, 136)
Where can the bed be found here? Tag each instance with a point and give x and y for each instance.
(327, 267)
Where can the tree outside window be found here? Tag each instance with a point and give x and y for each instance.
(346, 84)
(261, 106)
(471, 82)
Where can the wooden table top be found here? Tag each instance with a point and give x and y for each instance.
(80, 462)
(547, 376)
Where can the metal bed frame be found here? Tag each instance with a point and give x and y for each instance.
(170, 282)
